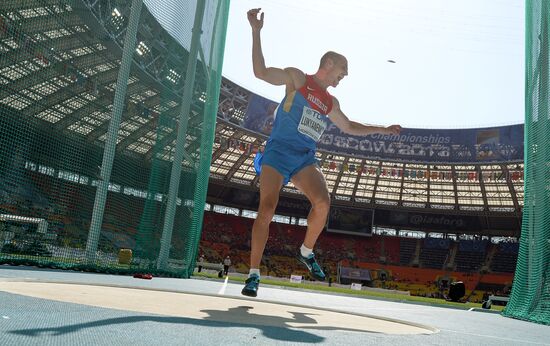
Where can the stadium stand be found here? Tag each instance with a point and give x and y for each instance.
(230, 235)
(434, 252)
(504, 260)
(471, 255)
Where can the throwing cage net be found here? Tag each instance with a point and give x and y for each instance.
(107, 121)
(530, 299)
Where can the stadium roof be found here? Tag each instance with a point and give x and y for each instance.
(59, 65)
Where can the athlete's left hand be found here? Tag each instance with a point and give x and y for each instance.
(255, 23)
(393, 129)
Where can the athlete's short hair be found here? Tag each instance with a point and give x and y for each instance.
(330, 55)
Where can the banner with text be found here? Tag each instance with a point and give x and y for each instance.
(491, 144)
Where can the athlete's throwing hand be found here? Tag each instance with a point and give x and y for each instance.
(255, 23)
(393, 130)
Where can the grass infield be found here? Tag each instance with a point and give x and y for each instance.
(367, 294)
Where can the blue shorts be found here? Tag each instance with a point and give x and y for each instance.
(286, 160)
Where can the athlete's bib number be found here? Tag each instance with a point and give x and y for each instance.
(312, 124)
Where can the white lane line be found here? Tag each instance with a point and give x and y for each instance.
(224, 286)
(518, 341)
(5, 317)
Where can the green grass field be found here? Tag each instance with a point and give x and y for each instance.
(366, 294)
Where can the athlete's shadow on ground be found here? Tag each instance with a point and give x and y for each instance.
(274, 327)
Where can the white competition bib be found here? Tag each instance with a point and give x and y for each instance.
(312, 124)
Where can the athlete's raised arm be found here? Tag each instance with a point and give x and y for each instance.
(354, 128)
(291, 77)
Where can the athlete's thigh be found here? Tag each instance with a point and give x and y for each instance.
(311, 181)
(271, 182)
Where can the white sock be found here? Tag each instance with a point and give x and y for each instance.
(254, 271)
(305, 251)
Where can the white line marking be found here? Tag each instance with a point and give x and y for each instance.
(494, 337)
(5, 317)
(224, 286)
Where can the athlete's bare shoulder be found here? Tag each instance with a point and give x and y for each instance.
(298, 78)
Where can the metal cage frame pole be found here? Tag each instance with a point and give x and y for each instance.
(207, 141)
(114, 126)
(181, 137)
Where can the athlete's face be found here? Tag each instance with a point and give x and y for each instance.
(339, 71)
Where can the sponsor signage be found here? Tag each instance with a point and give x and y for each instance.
(296, 279)
(492, 144)
(357, 274)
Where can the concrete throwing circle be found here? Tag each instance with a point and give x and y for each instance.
(212, 308)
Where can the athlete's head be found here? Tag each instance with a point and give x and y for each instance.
(334, 67)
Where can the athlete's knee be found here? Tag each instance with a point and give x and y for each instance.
(268, 204)
(322, 202)
(267, 209)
